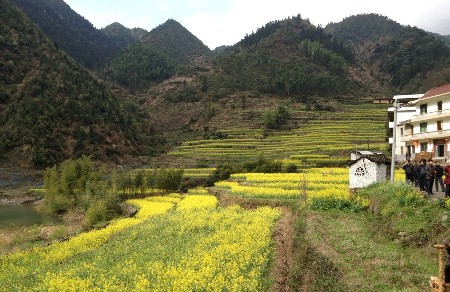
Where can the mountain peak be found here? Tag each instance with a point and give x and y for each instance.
(176, 41)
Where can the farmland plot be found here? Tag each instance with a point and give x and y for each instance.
(182, 244)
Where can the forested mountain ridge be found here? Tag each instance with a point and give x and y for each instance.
(174, 40)
(123, 34)
(403, 58)
(51, 108)
(71, 32)
(155, 57)
(286, 58)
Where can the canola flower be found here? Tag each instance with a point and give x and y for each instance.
(197, 202)
(206, 249)
(318, 184)
(201, 249)
(258, 192)
(29, 263)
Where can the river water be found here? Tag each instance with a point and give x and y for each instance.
(20, 215)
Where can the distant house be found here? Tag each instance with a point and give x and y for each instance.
(367, 169)
(428, 130)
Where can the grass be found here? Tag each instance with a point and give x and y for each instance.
(367, 260)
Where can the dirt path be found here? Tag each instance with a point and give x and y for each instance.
(284, 235)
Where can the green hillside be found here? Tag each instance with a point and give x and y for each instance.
(286, 58)
(71, 32)
(124, 36)
(312, 138)
(139, 66)
(403, 59)
(51, 108)
(176, 41)
(157, 56)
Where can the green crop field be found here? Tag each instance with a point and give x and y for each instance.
(313, 139)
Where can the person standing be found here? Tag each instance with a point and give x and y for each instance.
(438, 173)
(429, 177)
(409, 171)
(415, 173)
(420, 170)
(447, 180)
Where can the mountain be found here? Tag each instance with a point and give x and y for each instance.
(174, 40)
(157, 56)
(138, 67)
(51, 108)
(403, 59)
(286, 58)
(124, 36)
(445, 39)
(71, 32)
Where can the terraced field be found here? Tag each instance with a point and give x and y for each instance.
(314, 138)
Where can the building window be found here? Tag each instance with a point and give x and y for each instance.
(402, 150)
(439, 125)
(391, 116)
(440, 148)
(423, 108)
(439, 105)
(423, 147)
(401, 131)
(423, 127)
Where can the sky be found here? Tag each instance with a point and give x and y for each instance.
(225, 22)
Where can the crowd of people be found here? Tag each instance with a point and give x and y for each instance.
(425, 175)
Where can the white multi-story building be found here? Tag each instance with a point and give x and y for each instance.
(405, 110)
(428, 130)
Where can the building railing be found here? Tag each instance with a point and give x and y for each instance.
(404, 157)
(430, 116)
(426, 135)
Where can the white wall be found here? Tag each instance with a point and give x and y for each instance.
(365, 172)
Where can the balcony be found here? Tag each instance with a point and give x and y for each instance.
(430, 116)
(426, 136)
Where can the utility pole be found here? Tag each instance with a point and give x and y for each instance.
(394, 141)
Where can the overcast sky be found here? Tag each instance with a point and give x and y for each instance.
(225, 22)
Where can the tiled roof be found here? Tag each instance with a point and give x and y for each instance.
(437, 91)
(375, 158)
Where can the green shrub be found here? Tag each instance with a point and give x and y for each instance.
(222, 172)
(291, 168)
(169, 180)
(96, 213)
(263, 165)
(276, 119)
(74, 184)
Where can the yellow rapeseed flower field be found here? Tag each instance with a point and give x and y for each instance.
(194, 247)
(312, 185)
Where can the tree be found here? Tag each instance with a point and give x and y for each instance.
(169, 180)
(275, 119)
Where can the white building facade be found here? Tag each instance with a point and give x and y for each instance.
(405, 111)
(428, 130)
